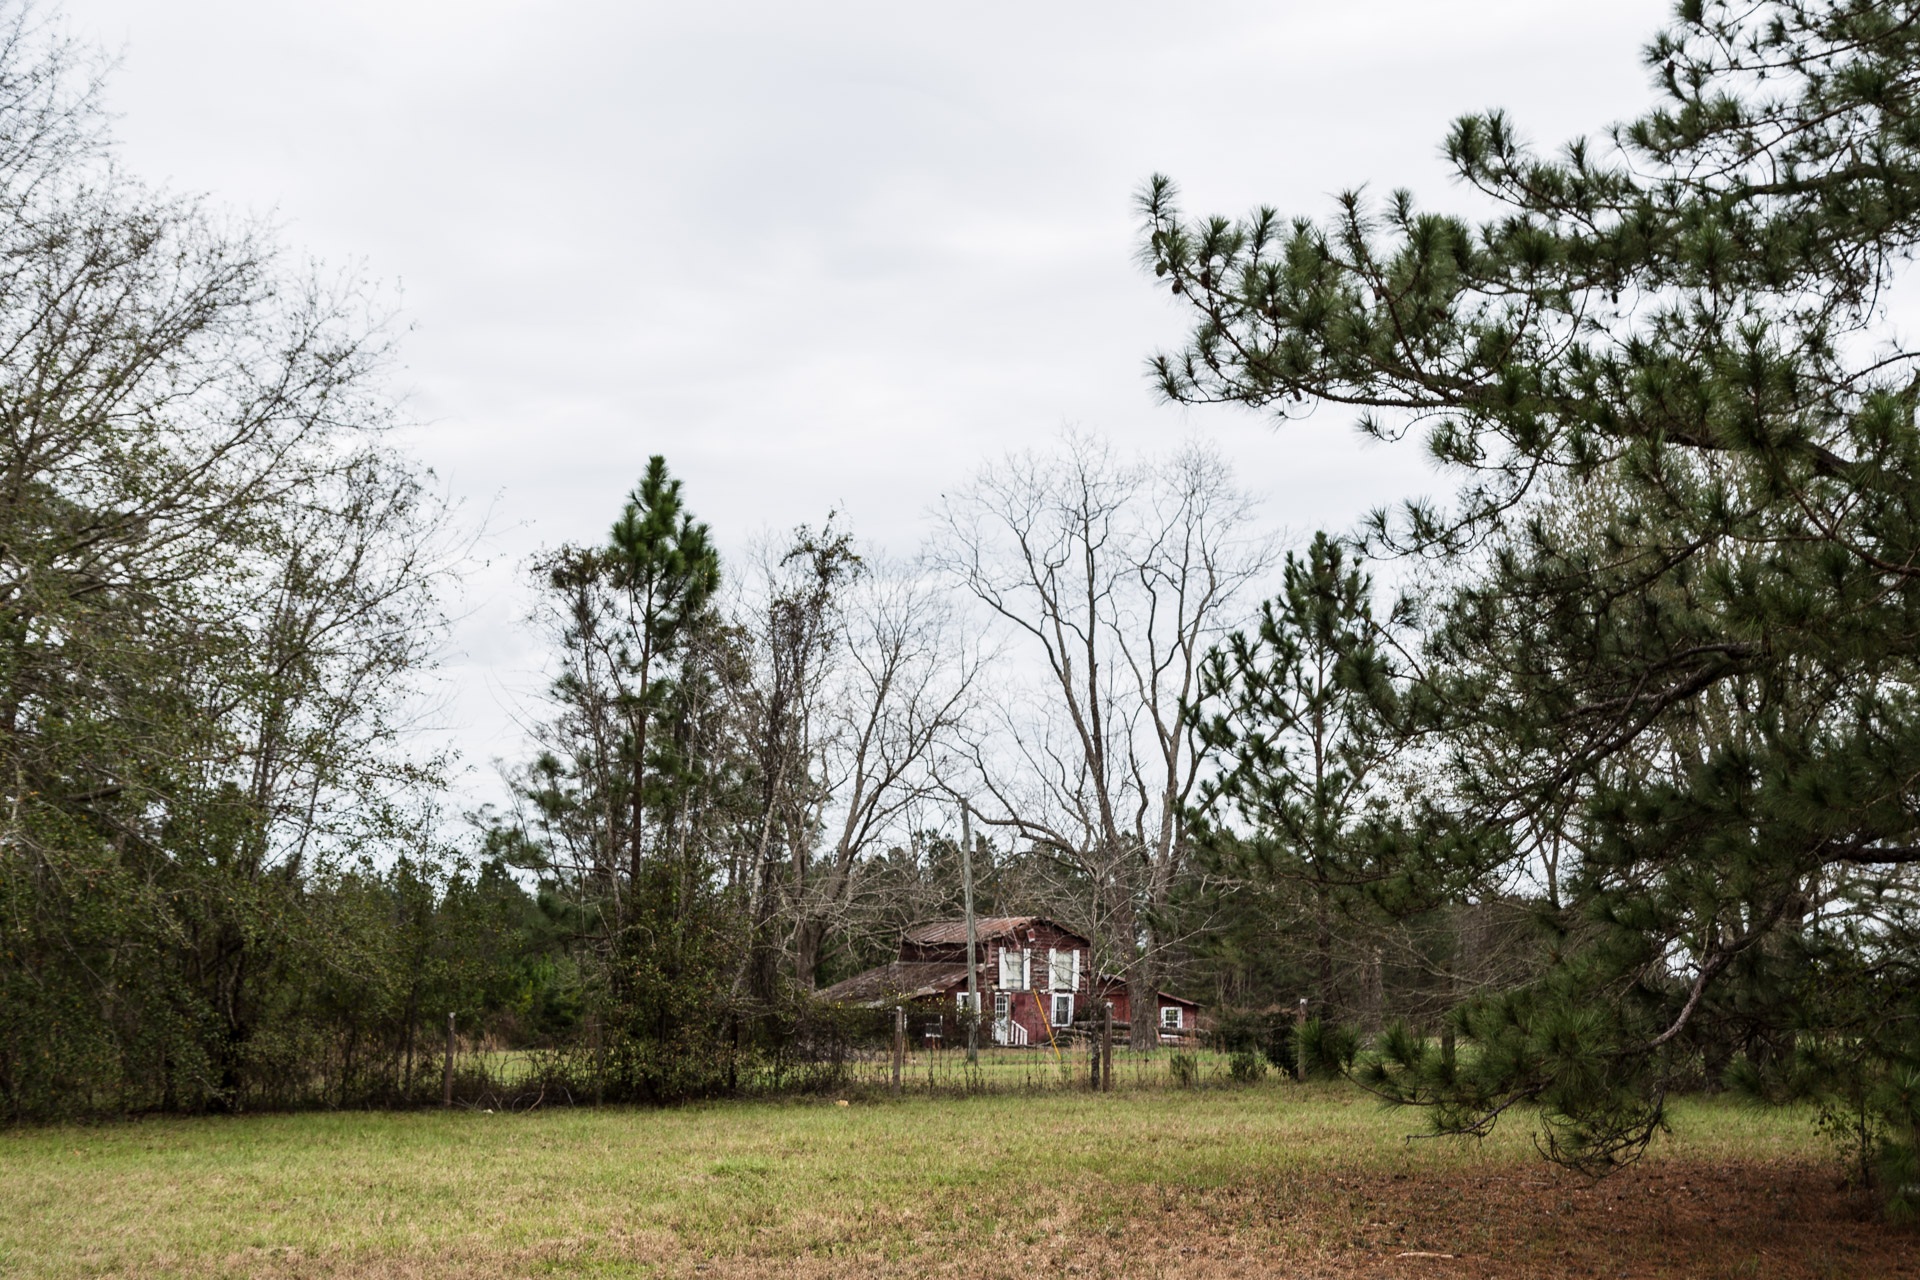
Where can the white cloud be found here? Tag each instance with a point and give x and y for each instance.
(823, 254)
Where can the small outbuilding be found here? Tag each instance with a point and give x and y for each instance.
(1177, 1017)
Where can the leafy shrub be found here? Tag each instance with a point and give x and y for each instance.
(1184, 1068)
(1247, 1067)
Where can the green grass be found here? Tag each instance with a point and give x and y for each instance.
(632, 1190)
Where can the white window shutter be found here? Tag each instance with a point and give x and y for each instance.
(1026, 968)
(1074, 984)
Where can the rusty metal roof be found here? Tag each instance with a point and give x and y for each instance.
(947, 931)
(901, 980)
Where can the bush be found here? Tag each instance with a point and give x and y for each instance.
(1327, 1049)
(1280, 1051)
(1268, 1034)
(1247, 1067)
(1184, 1068)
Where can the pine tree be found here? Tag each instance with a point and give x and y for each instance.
(1710, 693)
(639, 798)
(1304, 732)
(664, 569)
(625, 612)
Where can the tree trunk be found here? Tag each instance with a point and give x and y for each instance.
(763, 956)
(1323, 955)
(637, 816)
(1376, 993)
(1143, 1012)
(807, 937)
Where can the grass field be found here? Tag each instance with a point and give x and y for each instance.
(1276, 1179)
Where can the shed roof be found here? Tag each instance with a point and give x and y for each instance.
(1118, 982)
(903, 979)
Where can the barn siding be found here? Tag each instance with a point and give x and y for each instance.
(1037, 937)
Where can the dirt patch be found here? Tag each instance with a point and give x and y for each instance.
(1662, 1219)
(1692, 1221)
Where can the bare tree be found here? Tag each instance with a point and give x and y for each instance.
(900, 686)
(1115, 578)
(863, 677)
(795, 628)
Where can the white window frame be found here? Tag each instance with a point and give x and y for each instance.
(1022, 968)
(1053, 1013)
(1172, 1018)
(1063, 964)
(962, 1000)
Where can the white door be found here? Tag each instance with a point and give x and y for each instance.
(1002, 1017)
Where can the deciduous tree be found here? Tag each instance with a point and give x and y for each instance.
(1113, 580)
(218, 584)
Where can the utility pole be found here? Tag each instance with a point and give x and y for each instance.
(973, 941)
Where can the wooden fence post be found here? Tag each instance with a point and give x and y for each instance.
(446, 1076)
(899, 1044)
(1106, 1049)
(1300, 1041)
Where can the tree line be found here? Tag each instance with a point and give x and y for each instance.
(1608, 797)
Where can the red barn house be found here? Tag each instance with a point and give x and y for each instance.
(1035, 977)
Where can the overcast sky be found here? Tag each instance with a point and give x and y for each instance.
(819, 255)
